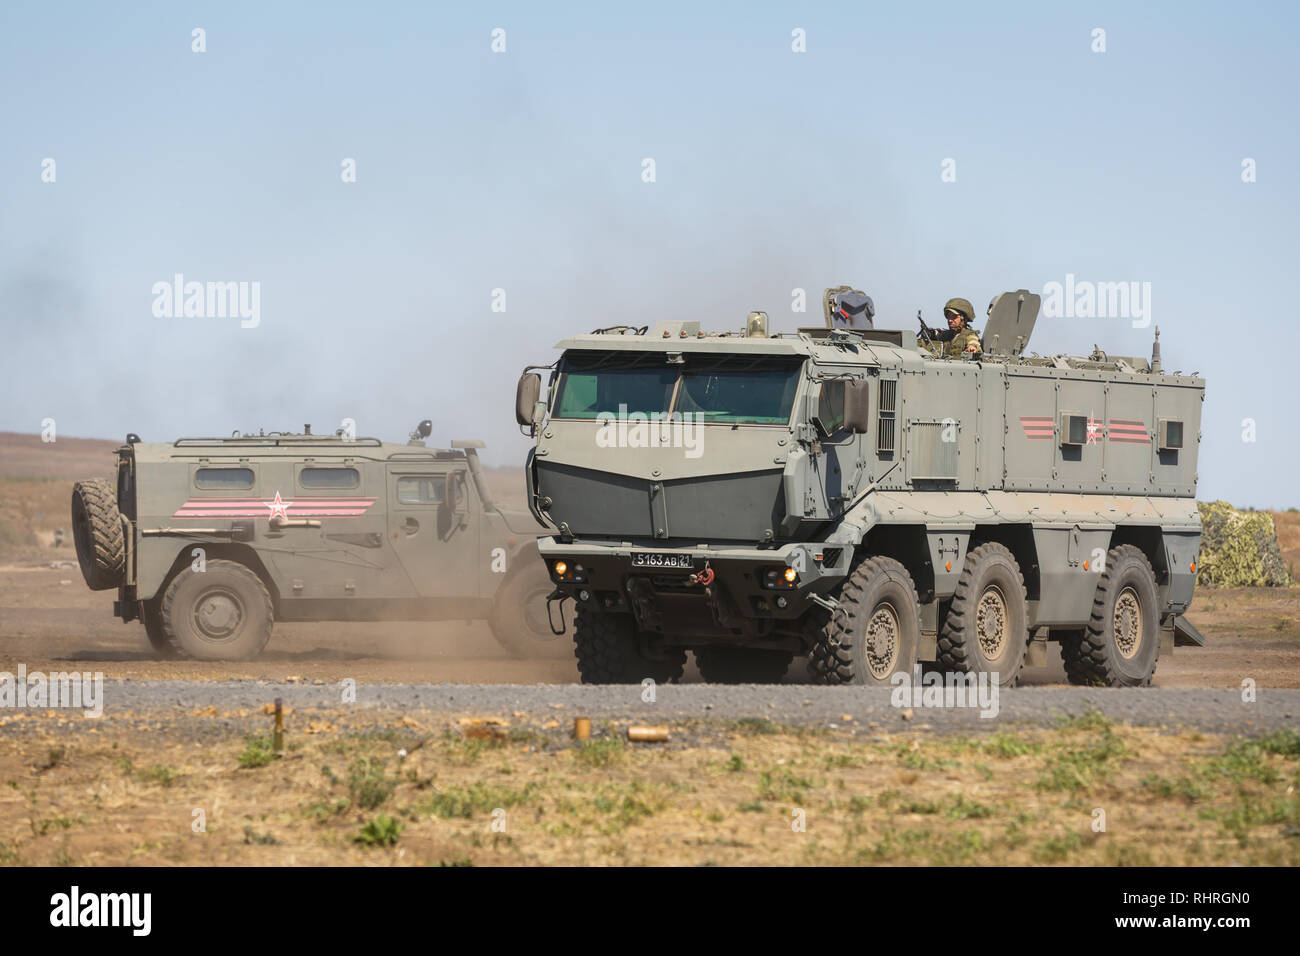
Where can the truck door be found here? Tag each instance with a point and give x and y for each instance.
(434, 528)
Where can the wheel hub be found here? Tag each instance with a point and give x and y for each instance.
(991, 622)
(1128, 623)
(882, 641)
(218, 615)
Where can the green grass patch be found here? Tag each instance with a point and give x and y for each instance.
(257, 752)
(369, 785)
(383, 830)
(1083, 766)
(464, 802)
(604, 752)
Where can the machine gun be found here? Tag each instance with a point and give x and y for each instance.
(927, 334)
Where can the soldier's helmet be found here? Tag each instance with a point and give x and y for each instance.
(963, 306)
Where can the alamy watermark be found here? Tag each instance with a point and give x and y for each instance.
(1098, 300)
(208, 300)
(945, 690)
(77, 689)
(684, 430)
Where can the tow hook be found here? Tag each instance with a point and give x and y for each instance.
(705, 577)
(556, 596)
(830, 604)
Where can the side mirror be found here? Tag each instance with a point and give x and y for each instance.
(857, 405)
(527, 393)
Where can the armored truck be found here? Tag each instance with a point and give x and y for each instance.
(208, 541)
(844, 494)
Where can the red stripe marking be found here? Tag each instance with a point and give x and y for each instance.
(243, 502)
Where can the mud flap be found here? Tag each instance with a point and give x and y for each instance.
(1185, 635)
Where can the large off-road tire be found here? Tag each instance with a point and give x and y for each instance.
(876, 631)
(221, 614)
(1121, 643)
(519, 617)
(742, 665)
(97, 531)
(608, 651)
(987, 628)
(151, 618)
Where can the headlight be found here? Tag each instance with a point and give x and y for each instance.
(563, 572)
(781, 578)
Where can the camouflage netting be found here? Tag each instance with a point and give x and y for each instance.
(1239, 549)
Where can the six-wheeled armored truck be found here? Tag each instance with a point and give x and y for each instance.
(844, 494)
(210, 540)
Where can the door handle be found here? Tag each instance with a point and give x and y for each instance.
(279, 524)
(411, 526)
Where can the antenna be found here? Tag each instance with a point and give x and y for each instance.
(1155, 352)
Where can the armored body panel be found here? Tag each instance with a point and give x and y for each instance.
(720, 490)
(328, 527)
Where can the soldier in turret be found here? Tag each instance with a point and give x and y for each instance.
(959, 337)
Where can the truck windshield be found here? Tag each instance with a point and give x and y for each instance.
(722, 389)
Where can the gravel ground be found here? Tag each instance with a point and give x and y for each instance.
(1211, 711)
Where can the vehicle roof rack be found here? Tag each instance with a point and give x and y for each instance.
(277, 440)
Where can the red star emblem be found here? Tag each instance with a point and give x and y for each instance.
(279, 508)
(1094, 429)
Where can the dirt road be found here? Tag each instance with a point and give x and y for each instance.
(50, 621)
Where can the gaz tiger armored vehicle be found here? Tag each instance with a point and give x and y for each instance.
(209, 541)
(845, 495)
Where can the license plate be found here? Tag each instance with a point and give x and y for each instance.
(661, 561)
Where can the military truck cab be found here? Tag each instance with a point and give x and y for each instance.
(211, 540)
(843, 494)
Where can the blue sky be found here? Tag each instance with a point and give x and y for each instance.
(775, 170)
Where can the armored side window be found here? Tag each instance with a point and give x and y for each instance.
(224, 479)
(329, 478)
(1074, 429)
(422, 490)
(830, 407)
(1171, 434)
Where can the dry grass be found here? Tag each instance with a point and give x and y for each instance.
(730, 797)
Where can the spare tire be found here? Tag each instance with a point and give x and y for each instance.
(97, 530)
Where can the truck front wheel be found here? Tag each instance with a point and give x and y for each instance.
(874, 633)
(609, 651)
(223, 613)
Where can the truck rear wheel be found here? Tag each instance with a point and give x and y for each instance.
(151, 618)
(609, 652)
(875, 632)
(519, 619)
(1121, 643)
(97, 531)
(742, 665)
(987, 629)
(221, 614)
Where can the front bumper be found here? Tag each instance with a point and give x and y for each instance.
(728, 592)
